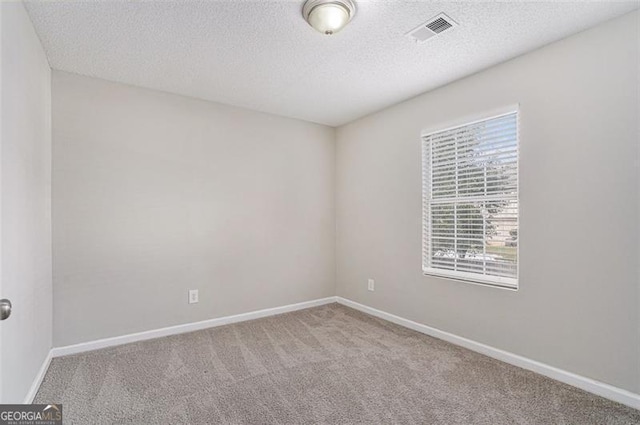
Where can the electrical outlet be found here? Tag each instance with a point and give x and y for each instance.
(193, 296)
(371, 285)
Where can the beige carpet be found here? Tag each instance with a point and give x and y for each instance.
(325, 365)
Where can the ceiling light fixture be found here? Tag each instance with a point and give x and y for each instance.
(328, 16)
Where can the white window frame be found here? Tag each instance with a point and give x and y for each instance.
(473, 278)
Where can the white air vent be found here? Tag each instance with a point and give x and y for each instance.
(434, 26)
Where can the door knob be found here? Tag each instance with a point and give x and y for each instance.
(5, 308)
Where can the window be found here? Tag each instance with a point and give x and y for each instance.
(470, 201)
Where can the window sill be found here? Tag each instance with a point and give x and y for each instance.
(494, 282)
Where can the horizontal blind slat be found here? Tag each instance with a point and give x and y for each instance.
(484, 141)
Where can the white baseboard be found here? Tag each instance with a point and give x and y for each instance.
(587, 384)
(188, 327)
(28, 399)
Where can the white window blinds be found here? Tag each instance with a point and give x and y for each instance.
(470, 201)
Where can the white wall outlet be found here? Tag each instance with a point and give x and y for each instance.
(371, 285)
(193, 296)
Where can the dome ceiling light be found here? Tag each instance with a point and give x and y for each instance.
(328, 16)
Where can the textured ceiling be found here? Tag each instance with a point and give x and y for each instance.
(262, 55)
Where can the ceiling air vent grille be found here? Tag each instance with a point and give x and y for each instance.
(439, 25)
(432, 27)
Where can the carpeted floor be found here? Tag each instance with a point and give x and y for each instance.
(328, 364)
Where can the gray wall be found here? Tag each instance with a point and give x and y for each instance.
(25, 224)
(577, 307)
(155, 194)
